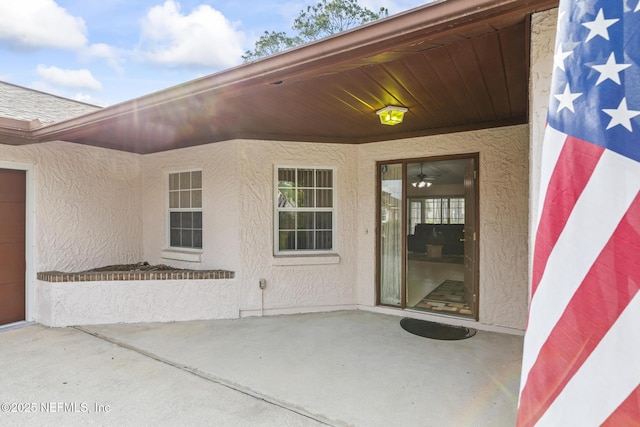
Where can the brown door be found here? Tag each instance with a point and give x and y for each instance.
(12, 245)
(470, 285)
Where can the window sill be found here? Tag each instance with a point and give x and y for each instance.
(306, 259)
(181, 255)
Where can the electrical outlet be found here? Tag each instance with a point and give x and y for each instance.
(263, 283)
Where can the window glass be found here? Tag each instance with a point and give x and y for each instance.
(196, 179)
(436, 210)
(185, 210)
(304, 210)
(185, 180)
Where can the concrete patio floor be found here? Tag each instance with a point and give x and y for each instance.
(342, 368)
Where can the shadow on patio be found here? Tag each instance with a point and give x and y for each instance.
(342, 368)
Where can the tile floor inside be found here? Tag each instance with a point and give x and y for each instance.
(423, 277)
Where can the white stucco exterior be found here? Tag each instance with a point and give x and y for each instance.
(238, 222)
(238, 219)
(93, 303)
(126, 221)
(543, 35)
(83, 209)
(221, 246)
(503, 178)
(87, 204)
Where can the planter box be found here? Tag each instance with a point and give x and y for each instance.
(61, 304)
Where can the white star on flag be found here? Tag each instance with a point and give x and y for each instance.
(566, 99)
(611, 70)
(621, 115)
(559, 57)
(599, 27)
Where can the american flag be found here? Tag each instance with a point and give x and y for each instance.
(581, 361)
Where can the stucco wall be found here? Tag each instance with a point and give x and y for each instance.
(238, 221)
(543, 35)
(87, 203)
(503, 178)
(93, 303)
(327, 284)
(96, 207)
(220, 201)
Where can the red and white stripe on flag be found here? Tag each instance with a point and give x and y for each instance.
(581, 362)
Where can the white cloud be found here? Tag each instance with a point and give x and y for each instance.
(111, 55)
(75, 79)
(203, 38)
(33, 24)
(89, 99)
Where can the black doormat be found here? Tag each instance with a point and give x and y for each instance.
(436, 331)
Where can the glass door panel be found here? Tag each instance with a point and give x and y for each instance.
(391, 234)
(441, 253)
(470, 238)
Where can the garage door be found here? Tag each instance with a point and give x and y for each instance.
(12, 245)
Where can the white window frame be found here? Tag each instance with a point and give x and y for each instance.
(277, 210)
(169, 210)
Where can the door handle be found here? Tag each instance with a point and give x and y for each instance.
(462, 240)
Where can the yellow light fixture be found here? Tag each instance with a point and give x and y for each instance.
(391, 115)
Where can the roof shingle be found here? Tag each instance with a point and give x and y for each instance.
(17, 102)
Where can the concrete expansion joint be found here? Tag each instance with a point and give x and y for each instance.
(217, 380)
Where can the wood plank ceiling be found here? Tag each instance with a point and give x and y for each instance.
(471, 77)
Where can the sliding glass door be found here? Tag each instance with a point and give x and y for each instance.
(427, 241)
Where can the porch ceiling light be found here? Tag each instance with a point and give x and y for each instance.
(391, 115)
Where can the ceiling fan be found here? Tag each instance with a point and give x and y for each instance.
(423, 180)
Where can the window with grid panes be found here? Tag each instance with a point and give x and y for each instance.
(449, 210)
(305, 210)
(415, 216)
(185, 210)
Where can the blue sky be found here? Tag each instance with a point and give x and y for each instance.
(108, 51)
